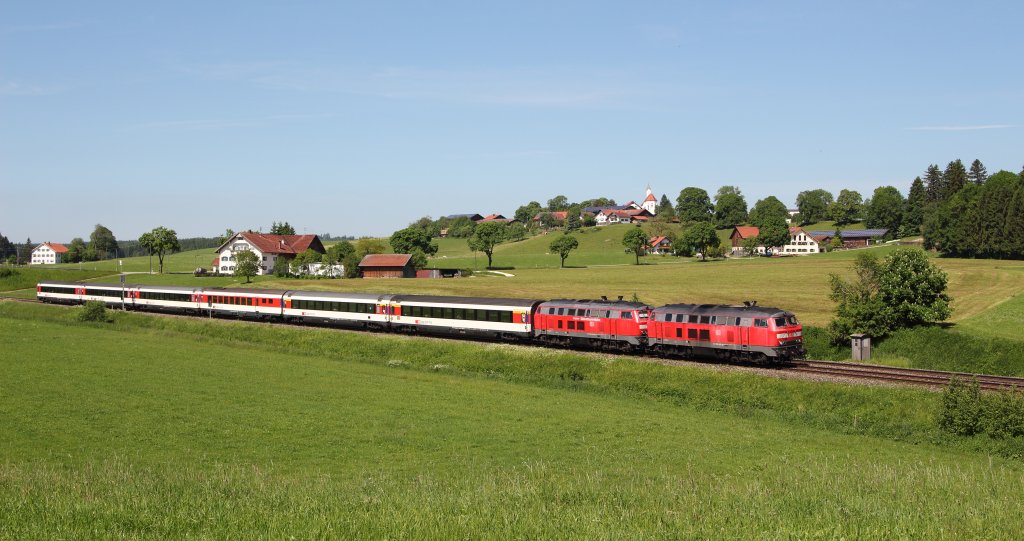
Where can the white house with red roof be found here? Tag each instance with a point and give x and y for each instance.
(48, 253)
(659, 245)
(272, 250)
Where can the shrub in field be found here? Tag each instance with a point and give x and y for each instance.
(7, 273)
(961, 408)
(94, 311)
(966, 411)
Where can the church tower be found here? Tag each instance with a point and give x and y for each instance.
(650, 203)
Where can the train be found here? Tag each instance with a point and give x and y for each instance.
(747, 332)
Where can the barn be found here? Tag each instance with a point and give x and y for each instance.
(387, 266)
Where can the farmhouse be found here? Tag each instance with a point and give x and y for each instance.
(48, 253)
(472, 217)
(494, 218)
(800, 242)
(659, 245)
(387, 266)
(272, 250)
(608, 216)
(852, 238)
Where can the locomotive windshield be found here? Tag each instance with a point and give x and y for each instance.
(785, 321)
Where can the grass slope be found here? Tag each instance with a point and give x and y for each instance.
(157, 434)
(598, 246)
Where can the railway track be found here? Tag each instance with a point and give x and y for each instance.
(915, 376)
(848, 370)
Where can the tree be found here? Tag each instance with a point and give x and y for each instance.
(351, 263)
(160, 241)
(665, 209)
(730, 207)
(337, 252)
(885, 210)
(228, 233)
(750, 245)
(847, 208)
(933, 183)
(26, 252)
(558, 202)
(766, 209)
(102, 240)
(525, 213)
(369, 245)
(700, 237)
(813, 205)
(913, 212)
(405, 241)
(572, 218)
(904, 290)
(7, 248)
(514, 231)
(283, 228)
(76, 251)
(836, 243)
(247, 264)
(562, 246)
(304, 262)
(694, 205)
(978, 174)
(635, 240)
(486, 236)
(954, 178)
(774, 233)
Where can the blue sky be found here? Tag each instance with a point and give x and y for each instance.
(356, 119)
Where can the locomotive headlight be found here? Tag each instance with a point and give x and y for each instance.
(783, 335)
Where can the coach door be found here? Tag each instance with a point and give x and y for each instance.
(744, 332)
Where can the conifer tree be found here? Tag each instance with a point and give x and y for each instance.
(933, 183)
(954, 178)
(978, 174)
(665, 208)
(913, 213)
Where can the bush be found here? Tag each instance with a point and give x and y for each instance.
(961, 408)
(966, 411)
(94, 311)
(7, 273)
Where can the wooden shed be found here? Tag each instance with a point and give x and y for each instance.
(387, 266)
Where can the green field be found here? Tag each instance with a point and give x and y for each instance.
(159, 427)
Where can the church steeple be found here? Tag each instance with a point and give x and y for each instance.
(650, 203)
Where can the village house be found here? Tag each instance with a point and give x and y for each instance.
(271, 250)
(852, 238)
(659, 246)
(48, 253)
(800, 242)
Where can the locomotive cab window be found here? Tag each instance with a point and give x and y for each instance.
(780, 322)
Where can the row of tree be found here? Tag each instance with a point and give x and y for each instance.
(978, 219)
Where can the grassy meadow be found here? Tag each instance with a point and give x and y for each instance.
(162, 427)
